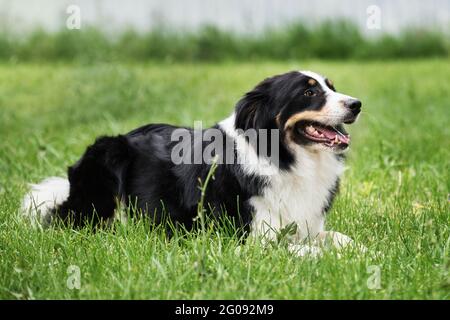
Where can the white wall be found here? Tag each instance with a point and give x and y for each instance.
(239, 15)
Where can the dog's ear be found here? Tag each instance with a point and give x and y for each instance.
(247, 110)
(253, 110)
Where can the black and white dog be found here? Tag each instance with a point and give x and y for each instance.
(262, 196)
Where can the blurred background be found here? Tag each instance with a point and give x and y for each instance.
(222, 30)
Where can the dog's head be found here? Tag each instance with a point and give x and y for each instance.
(304, 106)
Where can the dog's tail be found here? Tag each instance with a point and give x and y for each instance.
(43, 198)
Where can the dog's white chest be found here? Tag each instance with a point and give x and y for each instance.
(298, 196)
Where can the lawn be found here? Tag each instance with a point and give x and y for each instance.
(394, 195)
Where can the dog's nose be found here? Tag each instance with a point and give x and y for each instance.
(354, 105)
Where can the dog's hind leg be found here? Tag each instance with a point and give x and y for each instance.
(96, 182)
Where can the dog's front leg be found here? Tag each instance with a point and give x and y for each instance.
(337, 240)
(305, 250)
(326, 239)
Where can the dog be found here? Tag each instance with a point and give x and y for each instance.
(261, 196)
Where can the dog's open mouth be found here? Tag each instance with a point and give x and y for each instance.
(330, 136)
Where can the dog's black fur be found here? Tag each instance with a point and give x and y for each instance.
(136, 168)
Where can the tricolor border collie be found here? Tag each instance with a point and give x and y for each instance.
(262, 197)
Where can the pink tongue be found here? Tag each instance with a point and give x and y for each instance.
(331, 134)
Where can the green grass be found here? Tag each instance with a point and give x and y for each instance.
(393, 197)
(338, 39)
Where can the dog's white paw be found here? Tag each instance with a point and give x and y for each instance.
(337, 240)
(302, 250)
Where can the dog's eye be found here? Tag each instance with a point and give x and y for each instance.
(309, 93)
